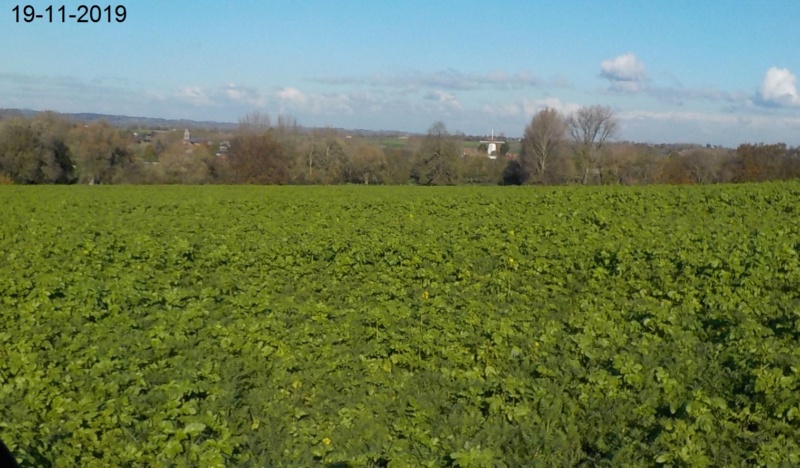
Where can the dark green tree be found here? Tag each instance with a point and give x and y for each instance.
(33, 151)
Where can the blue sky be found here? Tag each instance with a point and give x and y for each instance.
(719, 72)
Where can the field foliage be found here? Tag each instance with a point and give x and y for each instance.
(400, 326)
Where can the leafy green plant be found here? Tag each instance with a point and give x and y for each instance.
(396, 326)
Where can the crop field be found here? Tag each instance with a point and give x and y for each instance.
(400, 326)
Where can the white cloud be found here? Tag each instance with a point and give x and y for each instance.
(503, 110)
(293, 101)
(443, 97)
(625, 72)
(244, 95)
(779, 88)
(565, 108)
(525, 109)
(625, 67)
(292, 94)
(195, 95)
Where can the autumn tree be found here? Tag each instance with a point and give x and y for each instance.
(367, 165)
(34, 151)
(618, 164)
(706, 164)
(287, 132)
(100, 152)
(256, 157)
(438, 160)
(181, 165)
(631, 164)
(790, 167)
(757, 163)
(399, 162)
(542, 140)
(676, 171)
(323, 158)
(589, 128)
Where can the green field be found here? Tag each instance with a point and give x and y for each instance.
(400, 326)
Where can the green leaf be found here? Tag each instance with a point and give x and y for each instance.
(194, 428)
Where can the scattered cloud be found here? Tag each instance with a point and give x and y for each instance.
(195, 96)
(680, 95)
(670, 116)
(245, 95)
(293, 101)
(779, 89)
(71, 94)
(37, 84)
(626, 73)
(223, 96)
(292, 95)
(723, 128)
(443, 97)
(470, 102)
(242, 99)
(532, 107)
(451, 80)
(509, 111)
(525, 109)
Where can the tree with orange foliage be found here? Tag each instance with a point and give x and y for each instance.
(258, 158)
(756, 163)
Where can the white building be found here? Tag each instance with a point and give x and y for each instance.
(492, 146)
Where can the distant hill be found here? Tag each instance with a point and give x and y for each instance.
(125, 121)
(128, 121)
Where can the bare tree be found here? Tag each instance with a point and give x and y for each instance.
(255, 122)
(590, 127)
(706, 164)
(323, 156)
(542, 139)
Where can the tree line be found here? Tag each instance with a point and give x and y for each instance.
(555, 149)
(558, 149)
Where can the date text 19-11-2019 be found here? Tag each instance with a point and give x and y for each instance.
(64, 14)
